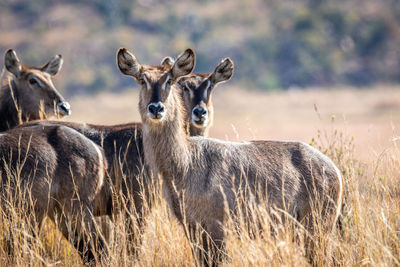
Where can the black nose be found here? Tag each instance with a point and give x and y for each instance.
(64, 108)
(200, 112)
(156, 109)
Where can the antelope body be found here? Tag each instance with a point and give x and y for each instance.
(122, 145)
(59, 172)
(30, 93)
(202, 175)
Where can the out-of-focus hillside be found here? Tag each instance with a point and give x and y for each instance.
(371, 116)
(275, 44)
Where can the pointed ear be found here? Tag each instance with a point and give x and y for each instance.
(223, 72)
(54, 65)
(12, 62)
(127, 63)
(184, 64)
(167, 61)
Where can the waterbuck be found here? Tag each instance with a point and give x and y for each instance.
(55, 171)
(195, 90)
(122, 145)
(29, 94)
(123, 148)
(202, 176)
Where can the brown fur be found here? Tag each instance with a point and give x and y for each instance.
(28, 93)
(122, 144)
(196, 91)
(60, 172)
(202, 175)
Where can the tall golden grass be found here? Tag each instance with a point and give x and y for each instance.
(369, 233)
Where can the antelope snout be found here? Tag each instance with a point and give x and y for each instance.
(64, 108)
(156, 111)
(199, 116)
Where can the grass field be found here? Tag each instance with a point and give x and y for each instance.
(358, 129)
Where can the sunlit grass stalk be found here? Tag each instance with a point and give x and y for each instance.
(369, 234)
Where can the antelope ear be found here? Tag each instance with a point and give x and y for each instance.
(184, 64)
(167, 61)
(12, 62)
(54, 65)
(127, 63)
(223, 72)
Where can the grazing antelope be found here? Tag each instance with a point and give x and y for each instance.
(196, 89)
(30, 94)
(60, 173)
(202, 175)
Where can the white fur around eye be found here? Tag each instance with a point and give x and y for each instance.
(165, 82)
(147, 82)
(190, 90)
(206, 91)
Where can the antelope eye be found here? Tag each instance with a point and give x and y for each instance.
(32, 81)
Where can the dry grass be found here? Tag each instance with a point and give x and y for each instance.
(370, 232)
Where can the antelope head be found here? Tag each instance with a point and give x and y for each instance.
(196, 90)
(156, 104)
(36, 93)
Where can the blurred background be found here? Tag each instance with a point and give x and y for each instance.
(301, 67)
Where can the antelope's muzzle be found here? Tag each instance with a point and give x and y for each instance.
(64, 108)
(199, 116)
(156, 111)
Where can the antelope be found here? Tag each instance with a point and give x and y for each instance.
(30, 93)
(201, 175)
(122, 145)
(60, 173)
(196, 89)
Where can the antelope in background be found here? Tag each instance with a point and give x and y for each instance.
(30, 93)
(202, 175)
(196, 89)
(55, 171)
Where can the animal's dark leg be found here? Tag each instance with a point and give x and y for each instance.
(194, 233)
(80, 231)
(213, 243)
(135, 225)
(208, 244)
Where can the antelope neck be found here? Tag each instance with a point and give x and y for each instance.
(166, 146)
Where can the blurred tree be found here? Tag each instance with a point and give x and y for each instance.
(275, 44)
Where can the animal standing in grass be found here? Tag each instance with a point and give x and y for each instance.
(123, 147)
(55, 171)
(202, 175)
(30, 93)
